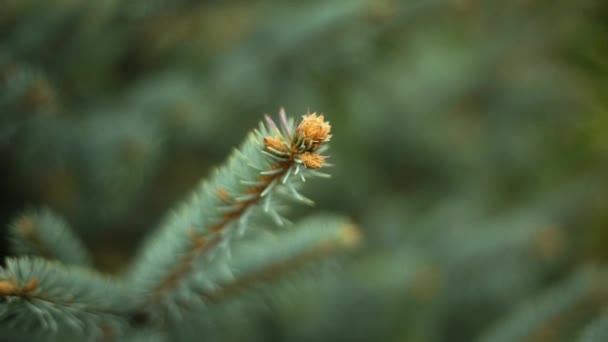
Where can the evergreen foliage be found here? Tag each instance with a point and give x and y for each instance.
(470, 151)
(45, 298)
(189, 263)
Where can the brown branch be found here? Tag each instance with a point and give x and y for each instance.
(201, 243)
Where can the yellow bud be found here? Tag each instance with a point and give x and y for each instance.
(7, 288)
(314, 129)
(274, 143)
(311, 160)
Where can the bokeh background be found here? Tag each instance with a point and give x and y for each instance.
(470, 147)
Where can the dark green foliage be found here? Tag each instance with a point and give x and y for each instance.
(470, 148)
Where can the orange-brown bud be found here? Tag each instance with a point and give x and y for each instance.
(274, 143)
(311, 160)
(314, 129)
(30, 286)
(25, 227)
(7, 288)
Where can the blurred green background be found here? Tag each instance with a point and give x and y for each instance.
(470, 143)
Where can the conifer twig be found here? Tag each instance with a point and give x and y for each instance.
(44, 234)
(45, 296)
(237, 194)
(313, 239)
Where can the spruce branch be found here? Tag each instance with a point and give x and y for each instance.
(47, 297)
(269, 256)
(44, 234)
(268, 166)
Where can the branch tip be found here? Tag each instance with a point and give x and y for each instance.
(351, 235)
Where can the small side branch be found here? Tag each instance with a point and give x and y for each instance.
(314, 240)
(47, 297)
(44, 234)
